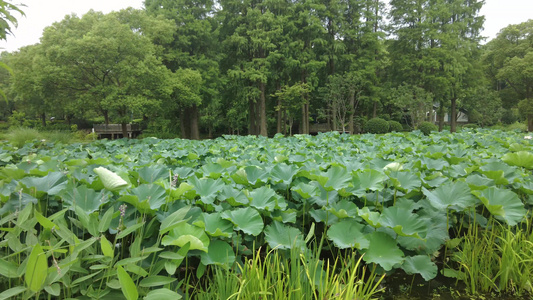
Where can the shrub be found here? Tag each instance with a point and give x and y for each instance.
(427, 127)
(377, 125)
(395, 126)
(21, 135)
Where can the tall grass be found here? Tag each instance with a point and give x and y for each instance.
(497, 259)
(293, 275)
(21, 135)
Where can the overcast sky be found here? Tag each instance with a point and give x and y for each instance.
(42, 13)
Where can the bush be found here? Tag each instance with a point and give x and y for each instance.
(395, 126)
(377, 125)
(427, 127)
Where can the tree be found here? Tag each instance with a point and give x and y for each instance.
(434, 45)
(509, 61)
(7, 21)
(108, 65)
(194, 46)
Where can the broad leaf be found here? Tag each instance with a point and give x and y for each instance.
(36, 269)
(219, 253)
(348, 233)
(185, 233)
(420, 264)
(110, 180)
(383, 251)
(280, 236)
(456, 195)
(503, 204)
(519, 159)
(246, 219)
(127, 285)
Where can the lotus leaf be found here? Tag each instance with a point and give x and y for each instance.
(503, 204)
(51, 184)
(151, 174)
(382, 250)
(344, 209)
(520, 159)
(403, 222)
(207, 188)
(110, 180)
(263, 198)
(305, 190)
(283, 173)
(233, 196)
(348, 233)
(248, 220)
(214, 225)
(456, 195)
(219, 253)
(88, 199)
(280, 236)
(185, 233)
(420, 264)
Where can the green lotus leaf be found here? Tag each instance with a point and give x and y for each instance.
(110, 180)
(52, 184)
(214, 224)
(185, 233)
(344, 209)
(283, 173)
(146, 198)
(256, 175)
(151, 174)
(503, 204)
(233, 196)
(369, 179)
(520, 159)
(263, 198)
(219, 253)
(248, 220)
(478, 182)
(338, 178)
(383, 250)
(405, 181)
(305, 190)
(437, 234)
(321, 215)
(212, 170)
(371, 217)
(206, 188)
(403, 222)
(88, 199)
(280, 236)
(348, 233)
(500, 172)
(286, 216)
(456, 195)
(162, 294)
(420, 264)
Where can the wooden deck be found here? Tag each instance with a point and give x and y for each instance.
(114, 131)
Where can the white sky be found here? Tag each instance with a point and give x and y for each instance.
(42, 13)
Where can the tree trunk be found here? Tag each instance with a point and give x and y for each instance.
(279, 116)
(251, 117)
(453, 117)
(43, 119)
(185, 124)
(351, 126)
(375, 110)
(262, 110)
(530, 122)
(441, 116)
(124, 130)
(193, 118)
(305, 107)
(106, 117)
(334, 116)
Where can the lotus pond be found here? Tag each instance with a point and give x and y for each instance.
(299, 217)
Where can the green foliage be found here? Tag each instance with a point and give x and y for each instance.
(395, 126)
(427, 127)
(376, 125)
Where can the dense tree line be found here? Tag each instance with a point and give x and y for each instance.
(263, 67)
